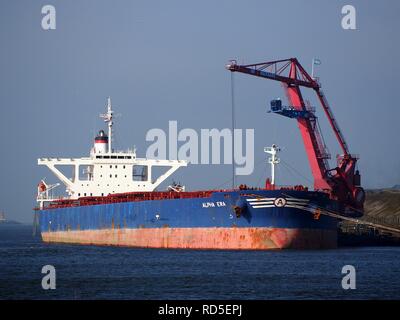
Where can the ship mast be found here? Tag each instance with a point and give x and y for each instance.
(273, 160)
(108, 117)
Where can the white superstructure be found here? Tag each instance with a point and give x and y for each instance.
(106, 171)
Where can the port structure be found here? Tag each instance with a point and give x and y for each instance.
(290, 112)
(341, 182)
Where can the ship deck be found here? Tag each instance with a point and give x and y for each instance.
(154, 195)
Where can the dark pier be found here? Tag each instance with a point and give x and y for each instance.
(382, 208)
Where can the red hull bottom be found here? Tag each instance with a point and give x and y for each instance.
(201, 238)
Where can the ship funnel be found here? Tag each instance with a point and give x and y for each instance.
(101, 142)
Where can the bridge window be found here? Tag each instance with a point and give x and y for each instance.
(139, 173)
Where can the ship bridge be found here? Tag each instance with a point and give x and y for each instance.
(107, 171)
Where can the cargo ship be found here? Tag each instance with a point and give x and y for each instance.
(113, 199)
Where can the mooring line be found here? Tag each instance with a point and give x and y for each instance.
(313, 208)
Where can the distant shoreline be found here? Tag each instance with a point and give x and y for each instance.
(11, 222)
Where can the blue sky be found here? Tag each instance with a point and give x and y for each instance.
(164, 60)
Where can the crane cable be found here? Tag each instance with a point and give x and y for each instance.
(233, 128)
(293, 169)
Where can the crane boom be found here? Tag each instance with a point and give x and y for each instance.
(332, 121)
(342, 182)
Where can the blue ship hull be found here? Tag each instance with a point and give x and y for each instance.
(240, 219)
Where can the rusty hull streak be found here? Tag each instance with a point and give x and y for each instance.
(201, 238)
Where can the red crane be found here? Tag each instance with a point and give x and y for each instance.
(341, 182)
